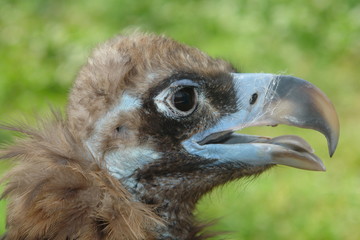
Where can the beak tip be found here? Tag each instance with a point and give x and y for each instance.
(333, 142)
(332, 150)
(322, 167)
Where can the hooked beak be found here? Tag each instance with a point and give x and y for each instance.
(267, 99)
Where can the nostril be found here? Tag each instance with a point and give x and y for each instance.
(253, 98)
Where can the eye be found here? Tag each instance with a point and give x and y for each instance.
(185, 99)
(178, 100)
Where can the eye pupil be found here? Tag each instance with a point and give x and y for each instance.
(184, 99)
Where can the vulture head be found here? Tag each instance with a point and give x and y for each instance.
(151, 126)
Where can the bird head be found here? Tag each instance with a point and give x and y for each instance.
(162, 117)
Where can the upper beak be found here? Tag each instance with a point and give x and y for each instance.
(267, 99)
(287, 100)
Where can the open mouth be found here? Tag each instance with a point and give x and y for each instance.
(280, 100)
(292, 142)
(292, 151)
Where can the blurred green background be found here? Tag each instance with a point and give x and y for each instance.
(43, 44)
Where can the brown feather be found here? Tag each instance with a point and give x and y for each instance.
(61, 190)
(58, 192)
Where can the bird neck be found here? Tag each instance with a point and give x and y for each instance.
(171, 205)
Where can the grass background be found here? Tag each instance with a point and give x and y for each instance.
(43, 44)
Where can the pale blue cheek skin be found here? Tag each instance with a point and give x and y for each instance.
(253, 154)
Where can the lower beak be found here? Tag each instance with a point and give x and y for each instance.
(267, 99)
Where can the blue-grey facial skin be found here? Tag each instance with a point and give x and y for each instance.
(267, 99)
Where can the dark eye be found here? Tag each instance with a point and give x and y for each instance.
(185, 99)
